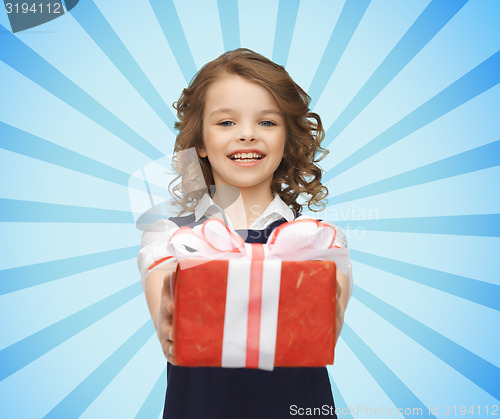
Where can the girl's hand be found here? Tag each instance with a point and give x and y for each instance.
(341, 302)
(164, 322)
(339, 315)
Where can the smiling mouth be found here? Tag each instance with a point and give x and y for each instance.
(246, 157)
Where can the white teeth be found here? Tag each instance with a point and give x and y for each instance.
(246, 156)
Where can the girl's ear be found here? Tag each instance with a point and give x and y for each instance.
(202, 153)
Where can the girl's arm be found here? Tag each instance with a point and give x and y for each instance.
(161, 307)
(155, 279)
(343, 295)
(344, 282)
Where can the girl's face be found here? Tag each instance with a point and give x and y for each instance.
(243, 133)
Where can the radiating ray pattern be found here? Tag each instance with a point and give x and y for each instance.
(95, 24)
(413, 174)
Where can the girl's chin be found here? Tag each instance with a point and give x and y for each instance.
(241, 183)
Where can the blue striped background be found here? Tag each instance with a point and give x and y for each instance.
(409, 95)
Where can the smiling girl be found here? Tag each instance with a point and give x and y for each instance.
(253, 132)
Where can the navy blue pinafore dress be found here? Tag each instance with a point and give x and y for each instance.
(227, 393)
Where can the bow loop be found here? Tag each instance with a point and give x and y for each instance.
(216, 233)
(211, 240)
(298, 236)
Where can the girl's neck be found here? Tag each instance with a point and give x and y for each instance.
(243, 206)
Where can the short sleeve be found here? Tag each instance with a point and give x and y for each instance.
(154, 246)
(341, 241)
(340, 238)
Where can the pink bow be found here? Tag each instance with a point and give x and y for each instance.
(300, 239)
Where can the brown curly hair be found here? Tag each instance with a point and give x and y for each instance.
(297, 173)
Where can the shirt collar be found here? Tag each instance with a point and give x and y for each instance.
(275, 210)
(206, 207)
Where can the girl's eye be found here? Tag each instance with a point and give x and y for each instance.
(226, 123)
(268, 123)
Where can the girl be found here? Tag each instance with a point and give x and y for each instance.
(251, 127)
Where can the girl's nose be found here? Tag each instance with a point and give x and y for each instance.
(247, 134)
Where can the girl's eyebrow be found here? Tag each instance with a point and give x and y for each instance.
(274, 111)
(221, 110)
(229, 110)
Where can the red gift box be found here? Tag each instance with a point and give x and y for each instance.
(305, 331)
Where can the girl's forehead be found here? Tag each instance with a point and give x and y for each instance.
(234, 91)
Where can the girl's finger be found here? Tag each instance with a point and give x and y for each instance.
(166, 306)
(168, 350)
(171, 353)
